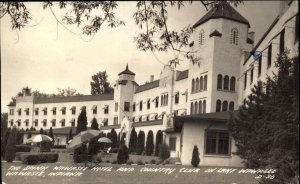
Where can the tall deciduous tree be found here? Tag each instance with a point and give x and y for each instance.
(133, 140)
(67, 92)
(81, 122)
(94, 124)
(4, 122)
(11, 145)
(266, 130)
(114, 138)
(140, 143)
(149, 143)
(100, 85)
(4, 142)
(51, 133)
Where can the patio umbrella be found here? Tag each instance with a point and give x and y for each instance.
(104, 140)
(29, 140)
(41, 138)
(82, 138)
(69, 141)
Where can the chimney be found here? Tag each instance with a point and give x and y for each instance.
(151, 78)
(251, 36)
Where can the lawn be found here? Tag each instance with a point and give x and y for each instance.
(113, 173)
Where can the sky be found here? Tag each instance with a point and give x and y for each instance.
(46, 56)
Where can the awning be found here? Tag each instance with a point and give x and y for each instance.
(137, 119)
(83, 107)
(104, 120)
(152, 116)
(62, 120)
(18, 121)
(36, 109)
(45, 121)
(155, 99)
(26, 121)
(94, 107)
(161, 115)
(177, 93)
(11, 121)
(53, 109)
(73, 108)
(27, 109)
(185, 93)
(45, 108)
(63, 108)
(72, 120)
(19, 109)
(144, 118)
(53, 120)
(36, 120)
(105, 107)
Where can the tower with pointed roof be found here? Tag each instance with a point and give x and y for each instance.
(219, 40)
(123, 96)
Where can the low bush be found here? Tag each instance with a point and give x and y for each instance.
(139, 162)
(166, 162)
(146, 162)
(114, 150)
(114, 162)
(164, 152)
(34, 158)
(18, 155)
(107, 161)
(129, 162)
(152, 161)
(59, 147)
(99, 157)
(23, 148)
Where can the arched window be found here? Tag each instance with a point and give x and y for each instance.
(204, 106)
(201, 37)
(162, 100)
(201, 83)
(218, 106)
(231, 106)
(220, 81)
(197, 84)
(234, 36)
(226, 83)
(205, 83)
(200, 107)
(224, 106)
(196, 108)
(192, 108)
(193, 85)
(232, 84)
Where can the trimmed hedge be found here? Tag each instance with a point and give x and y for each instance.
(34, 158)
(59, 147)
(18, 155)
(23, 148)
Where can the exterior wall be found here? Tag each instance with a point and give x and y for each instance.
(194, 134)
(290, 43)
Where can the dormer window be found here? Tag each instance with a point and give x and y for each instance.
(201, 37)
(234, 36)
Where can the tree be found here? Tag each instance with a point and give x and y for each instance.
(4, 122)
(32, 129)
(41, 131)
(266, 130)
(122, 155)
(81, 122)
(51, 133)
(149, 143)
(195, 157)
(11, 145)
(159, 140)
(114, 138)
(133, 140)
(164, 151)
(90, 17)
(19, 137)
(94, 124)
(29, 135)
(4, 142)
(100, 85)
(140, 143)
(67, 92)
(70, 134)
(122, 141)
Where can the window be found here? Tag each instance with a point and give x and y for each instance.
(177, 98)
(53, 122)
(218, 106)
(269, 55)
(54, 110)
(201, 83)
(105, 122)
(12, 123)
(172, 143)
(27, 111)
(19, 112)
(45, 111)
(224, 106)
(200, 107)
(232, 84)
(282, 44)
(201, 37)
(204, 106)
(226, 83)
(234, 37)
(133, 107)
(73, 122)
(231, 106)
(148, 104)
(141, 105)
(63, 111)
(259, 66)
(156, 102)
(73, 109)
(245, 81)
(106, 109)
(36, 122)
(205, 83)
(197, 84)
(166, 99)
(36, 111)
(11, 112)
(116, 120)
(27, 122)
(116, 107)
(45, 123)
(220, 82)
(193, 85)
(161, 100)
(196, 108)
(192, 108)
(251, 76)
(95, 109)
(63, 124)
(217, 142)
(126, 106)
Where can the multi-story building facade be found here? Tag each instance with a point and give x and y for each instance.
(222, 41)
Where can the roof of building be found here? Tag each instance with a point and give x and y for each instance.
(102, 97)
(127, 71)
(63, 131)
(147, 86)
(215, 116)
(222, 10)
(183, 75)
(263, 37)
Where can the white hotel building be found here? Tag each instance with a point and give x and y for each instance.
(190, 107)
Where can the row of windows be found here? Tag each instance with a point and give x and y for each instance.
(63, 110)
(225, 83)
(199, 84)
(198, 107)
(224, 106)
(234, 37)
